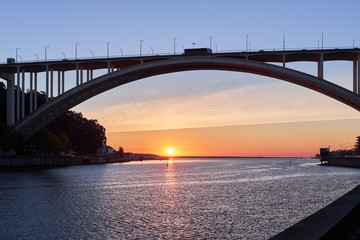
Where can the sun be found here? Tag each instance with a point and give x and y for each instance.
(170, 151)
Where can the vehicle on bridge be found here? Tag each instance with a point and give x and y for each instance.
(197, 51)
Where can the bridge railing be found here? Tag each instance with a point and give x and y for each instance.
(180, 53)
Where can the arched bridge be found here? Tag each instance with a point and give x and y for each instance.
(132, 69)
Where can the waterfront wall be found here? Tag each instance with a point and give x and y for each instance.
(353, 162)
(51, 161)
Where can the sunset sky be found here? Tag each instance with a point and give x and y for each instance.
(200, 112)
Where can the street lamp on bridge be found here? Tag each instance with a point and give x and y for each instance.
(20, 57)
(37, 58)
(122, 54)
(64, 55)
(107, 48)
(141, 47)
(174, 46)
(46, 51)
(152, 51)
(93, 56)
(77, 44)
(17, 54)
(210, 42)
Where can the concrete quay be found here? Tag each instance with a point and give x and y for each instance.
(338, 220)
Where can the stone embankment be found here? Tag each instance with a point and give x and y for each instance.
(52, 161)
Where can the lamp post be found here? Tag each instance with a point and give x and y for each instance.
(76, 50)
(283, 41)
(174, 46)
(17, 54)
(107, 49)
(152, 51)
(37, 58)
(122, 54)
(46, 51)
(93, 56)
(354, 43)
(141, 47)
(246, 42)
(64, 55)
(210, 42)
(216, 48)
(20, 57)
(322, 40)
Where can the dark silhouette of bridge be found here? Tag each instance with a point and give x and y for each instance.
(122, 70)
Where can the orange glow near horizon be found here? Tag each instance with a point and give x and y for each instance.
(269, 140)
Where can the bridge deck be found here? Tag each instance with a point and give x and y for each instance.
(123, 62)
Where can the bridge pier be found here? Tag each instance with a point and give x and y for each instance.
(31, 93)
(23, 96)
(35, 90)
(358, 75)
(81, 75)
(355, 76)
(321, 66)
(51, 83)
(77, 74)
(47, 83)
(63, 82)
(18, 94)
(10, 98)
(284, 59)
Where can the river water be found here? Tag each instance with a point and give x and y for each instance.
(183, 199)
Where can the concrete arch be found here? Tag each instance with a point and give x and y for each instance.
(54, 108)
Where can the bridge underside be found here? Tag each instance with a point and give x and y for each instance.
(54, 108)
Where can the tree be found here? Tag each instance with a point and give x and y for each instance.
(86, 136)
(121, 152)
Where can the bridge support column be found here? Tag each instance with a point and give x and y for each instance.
(358, 75)
(31, 92)
(91, 74)
(18, 95)
(81, 75)
(284, 59)
(47, 83)
(10, 101)
(87, 75)
(35, 90)
(109, 65)
(51, 84)
(77, 74)
(355, 76)
(59, 83)
(63, 82)
(23, 96)
(321, 67)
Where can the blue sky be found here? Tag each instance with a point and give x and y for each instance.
(191, 99)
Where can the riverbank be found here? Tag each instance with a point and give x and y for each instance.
(61, 161)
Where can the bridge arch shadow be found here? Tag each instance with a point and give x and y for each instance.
(54, 108)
